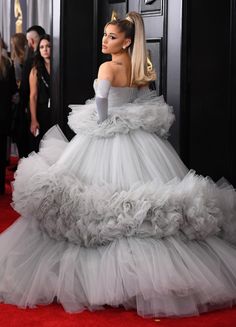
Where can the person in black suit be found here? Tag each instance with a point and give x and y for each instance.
(8, 88)
(25, 142)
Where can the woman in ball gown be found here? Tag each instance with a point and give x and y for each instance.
(114, 217)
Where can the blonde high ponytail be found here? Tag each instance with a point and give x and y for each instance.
(133, 27)
(140, 74)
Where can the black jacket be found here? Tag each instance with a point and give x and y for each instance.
(24, 86)
(8, 87)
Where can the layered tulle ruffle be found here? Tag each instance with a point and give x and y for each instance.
(167, 277)
(93, 215)
(149, 112)
(94, 212)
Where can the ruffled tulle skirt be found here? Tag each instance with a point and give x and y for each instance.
(118, 221)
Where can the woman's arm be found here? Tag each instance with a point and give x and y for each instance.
(34, 126)
(105, 78)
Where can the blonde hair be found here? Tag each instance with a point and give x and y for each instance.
(133, 27)
(19, 46)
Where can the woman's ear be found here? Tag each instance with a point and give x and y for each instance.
(127, 43)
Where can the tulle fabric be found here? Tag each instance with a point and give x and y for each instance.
(175, 268)
(147, 112)
(128, 185)
(166, 277)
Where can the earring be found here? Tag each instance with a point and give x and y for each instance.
(123, 47)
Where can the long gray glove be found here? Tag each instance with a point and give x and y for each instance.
(101, 98)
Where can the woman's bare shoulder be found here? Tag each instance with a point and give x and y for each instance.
(106, 71)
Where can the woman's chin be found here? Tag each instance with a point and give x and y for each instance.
(105, 51)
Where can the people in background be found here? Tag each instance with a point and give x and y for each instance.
(8, 88)
(33, 35)
(3, 47)
(18, 54)
(39, 79)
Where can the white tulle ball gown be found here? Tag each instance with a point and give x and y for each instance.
(114, 217)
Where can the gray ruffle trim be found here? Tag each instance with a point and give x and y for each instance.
(150, 113)
(66, 209)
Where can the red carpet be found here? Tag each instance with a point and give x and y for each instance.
(54, 316)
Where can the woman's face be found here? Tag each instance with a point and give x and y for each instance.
(44, 49)
(113, 40)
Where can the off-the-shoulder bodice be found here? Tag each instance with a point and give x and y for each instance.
(129, 109)
(119, 95)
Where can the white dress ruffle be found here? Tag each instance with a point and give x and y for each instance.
(151, 114)
(114, 217)
(65, 207)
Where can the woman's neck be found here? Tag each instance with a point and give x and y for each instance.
(121, 58)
